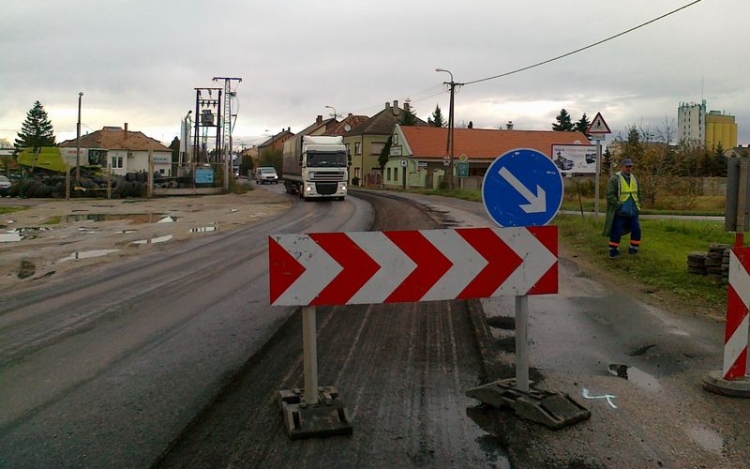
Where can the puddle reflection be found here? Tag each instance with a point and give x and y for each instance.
(88, 254)
(19, 234)
(633, 374)
(160, 239)
(134, 218)
(203, 229)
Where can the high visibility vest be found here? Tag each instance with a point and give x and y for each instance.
(627, 190)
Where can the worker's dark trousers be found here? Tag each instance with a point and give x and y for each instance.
(623, 225)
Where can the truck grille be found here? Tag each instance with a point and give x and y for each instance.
(326, 188)
(333, 176)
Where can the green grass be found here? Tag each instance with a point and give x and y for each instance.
(6, 210)
(661, 264)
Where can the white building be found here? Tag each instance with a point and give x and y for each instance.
(691, 122)
(126, 151)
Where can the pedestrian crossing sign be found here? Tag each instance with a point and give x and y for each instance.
(598, 126)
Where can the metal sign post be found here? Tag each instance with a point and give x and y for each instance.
(598, 130)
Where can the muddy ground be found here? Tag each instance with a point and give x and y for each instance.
(53, 236)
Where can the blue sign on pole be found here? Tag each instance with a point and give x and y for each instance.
(522, 187)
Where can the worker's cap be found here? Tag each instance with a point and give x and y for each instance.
(626, 162)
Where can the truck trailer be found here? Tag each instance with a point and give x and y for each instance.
(316, 167)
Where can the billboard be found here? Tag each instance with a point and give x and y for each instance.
(575, 159)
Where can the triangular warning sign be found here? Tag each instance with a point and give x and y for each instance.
(598, 126)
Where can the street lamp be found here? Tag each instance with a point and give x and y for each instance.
(186, 134)
(78, 141)
(335, 114)
(450, 145)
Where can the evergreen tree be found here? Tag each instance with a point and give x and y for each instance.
(385, 154)
(633, 147)
(563, 121)
(36, 131)
(583, 124)
(720, 161)
(437, 118)
(175, 147)
(407, 116)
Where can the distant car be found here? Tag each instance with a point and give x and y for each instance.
(563, 163)
(4, 184)
(266, 174)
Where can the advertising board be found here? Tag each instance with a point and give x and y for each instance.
(575, 159)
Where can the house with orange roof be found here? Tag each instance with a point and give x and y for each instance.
(418, 154)
(126, 151)
(365, 141)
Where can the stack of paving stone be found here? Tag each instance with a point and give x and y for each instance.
(714, 263)
(696, 263)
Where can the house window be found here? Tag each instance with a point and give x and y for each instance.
(117, 162)
(395, 174)
(395, 139)
(388, 174)
(357, 148)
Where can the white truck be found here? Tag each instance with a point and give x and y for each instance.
(316, 167)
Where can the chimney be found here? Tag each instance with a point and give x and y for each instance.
(125, 132)
(387, 105)
(319, 120)
(395, 103)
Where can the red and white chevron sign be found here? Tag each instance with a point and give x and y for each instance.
(738, 300)
(409, 266)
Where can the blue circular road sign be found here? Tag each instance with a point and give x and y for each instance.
(522, 187)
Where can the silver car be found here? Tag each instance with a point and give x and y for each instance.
(266, 174)
(4, 183)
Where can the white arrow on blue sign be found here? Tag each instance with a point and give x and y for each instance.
(522, 187)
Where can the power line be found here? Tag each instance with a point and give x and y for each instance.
(586, 47)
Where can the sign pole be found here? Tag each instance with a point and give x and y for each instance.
(596, 178)
(310, 354)
(522, 343)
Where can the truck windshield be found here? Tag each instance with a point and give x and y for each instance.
(326, 160)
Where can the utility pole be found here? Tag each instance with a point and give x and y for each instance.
(450, 145)
(78, 141)
(226, 137)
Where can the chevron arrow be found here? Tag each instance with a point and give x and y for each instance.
(410, 266)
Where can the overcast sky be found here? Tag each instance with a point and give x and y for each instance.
(140, 61)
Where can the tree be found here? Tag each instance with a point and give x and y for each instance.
(408, 117)
(721, 161)
(175, 146)
(385, 154)
(583, 124)
(36, 131)
(563, 122)
(437, 118)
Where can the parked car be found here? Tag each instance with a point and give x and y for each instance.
(266, 174)
(4, 185)
(563, 163)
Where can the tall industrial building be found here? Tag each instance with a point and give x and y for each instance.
(720, 128)
(706, 129)
(691, 122)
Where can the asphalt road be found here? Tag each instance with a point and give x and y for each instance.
(175, 361)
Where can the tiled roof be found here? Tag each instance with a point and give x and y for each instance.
(381, 123)
(273, 139)
(351, 120)
(317, 125)
(115, 138)
(431, 142)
